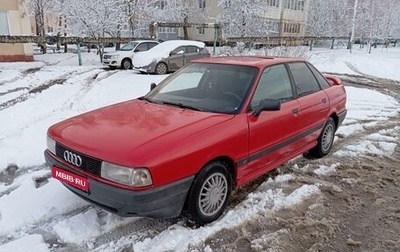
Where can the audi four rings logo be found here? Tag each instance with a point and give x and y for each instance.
(72, 158)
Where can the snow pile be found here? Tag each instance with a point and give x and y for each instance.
(31, 243)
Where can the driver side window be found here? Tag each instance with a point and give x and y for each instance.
(274, 84)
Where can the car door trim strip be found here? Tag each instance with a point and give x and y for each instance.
(275, 147)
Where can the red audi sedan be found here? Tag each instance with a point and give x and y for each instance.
(210, 127)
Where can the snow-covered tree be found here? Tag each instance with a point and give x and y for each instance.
(242, 18)
(329, 18)
(180, 11)
(374, 19)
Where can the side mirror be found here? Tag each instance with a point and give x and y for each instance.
(152, 86)
(267, 105)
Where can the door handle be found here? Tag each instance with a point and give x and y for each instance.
(295, 111)
(323, 100)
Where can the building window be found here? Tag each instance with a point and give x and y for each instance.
(273, 3)
(202, 4)
(295, 5)
(167, 30)
(201, 31)
(273, 27)
(162, 5)
(291, 28)
(4, 29)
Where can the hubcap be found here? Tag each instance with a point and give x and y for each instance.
(327, 138)
(161, 69)
(213, 194)
(127, 64)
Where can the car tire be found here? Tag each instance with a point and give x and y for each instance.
(209, 194)
(161, 68)
(126, 64)
(325, 140)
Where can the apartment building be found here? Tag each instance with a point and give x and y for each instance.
(285, 17)
(14, 20)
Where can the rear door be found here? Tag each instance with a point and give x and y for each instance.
(314, 102)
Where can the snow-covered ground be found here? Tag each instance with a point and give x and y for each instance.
(35, 95)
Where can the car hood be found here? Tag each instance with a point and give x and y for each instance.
(144, 59)
(119, 133)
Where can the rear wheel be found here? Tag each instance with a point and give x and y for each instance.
(126, 64)
(325, 140)
(210, 193)
(161, 68)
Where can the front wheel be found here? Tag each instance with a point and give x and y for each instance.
(210, 193)
(161, 68)
(325, 140)
(126, 64)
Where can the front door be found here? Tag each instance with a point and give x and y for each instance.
(272, 134)
(176, 58)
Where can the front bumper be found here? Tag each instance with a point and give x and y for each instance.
(162, 202)
(151, 68)
(114, 63)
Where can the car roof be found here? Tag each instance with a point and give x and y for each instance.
(255, 61)
(141, 41)
(175, 43)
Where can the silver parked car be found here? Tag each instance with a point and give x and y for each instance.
(169, 56)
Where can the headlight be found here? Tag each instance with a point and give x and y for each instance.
(116, 56)
(51, 145)
(136, 177)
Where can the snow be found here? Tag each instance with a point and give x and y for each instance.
(49, 206)
(31, 243)
(33, 205)
(381, 62)
(326, 170)
(161, 51)
(80, 228)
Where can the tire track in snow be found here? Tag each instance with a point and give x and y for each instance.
(39, 88)
(87, 87)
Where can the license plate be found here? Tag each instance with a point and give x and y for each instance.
(70, 178)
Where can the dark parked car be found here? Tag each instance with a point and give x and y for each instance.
(216, 124)
(169, 56)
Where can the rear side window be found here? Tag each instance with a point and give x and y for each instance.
(151, 45)
(179, 50)
(192, 49)
(321, 80)
(274, 84)
(304, 79)
(141, 47)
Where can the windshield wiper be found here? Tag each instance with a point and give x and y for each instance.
(180, 105)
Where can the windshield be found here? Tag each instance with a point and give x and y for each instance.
(206, 87)
(129, 46)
